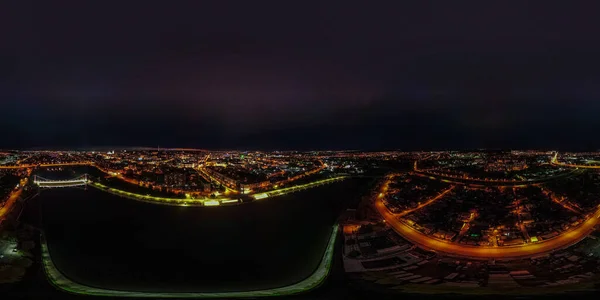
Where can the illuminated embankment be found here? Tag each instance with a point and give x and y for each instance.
(155, 199)
(209, 201)
(296, 188)
(61, 282)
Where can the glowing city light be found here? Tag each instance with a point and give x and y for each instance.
(212, 203)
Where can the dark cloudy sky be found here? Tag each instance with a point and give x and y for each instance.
(299, 74)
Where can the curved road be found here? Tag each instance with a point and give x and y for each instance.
(491, 183)
(12, 199)
(481, 252)
(556, 163)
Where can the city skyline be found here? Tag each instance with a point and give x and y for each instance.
(479, 220)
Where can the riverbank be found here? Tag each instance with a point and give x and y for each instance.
(212, 201)
(61, 282)
(98, 240)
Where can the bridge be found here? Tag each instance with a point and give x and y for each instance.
(48, 183)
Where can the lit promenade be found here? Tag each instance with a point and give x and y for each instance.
(481, 252)
(155, 199)
(210, 201)
(296, 188)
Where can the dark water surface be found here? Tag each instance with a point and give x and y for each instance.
(102, 240)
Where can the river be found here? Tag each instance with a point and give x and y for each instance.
(101, 240)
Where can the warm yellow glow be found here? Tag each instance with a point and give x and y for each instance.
(524, 250)
(211, 203)
(260, 196)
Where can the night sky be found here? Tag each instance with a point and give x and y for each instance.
(299, 74)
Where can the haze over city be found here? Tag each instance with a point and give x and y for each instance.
(311, 75)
